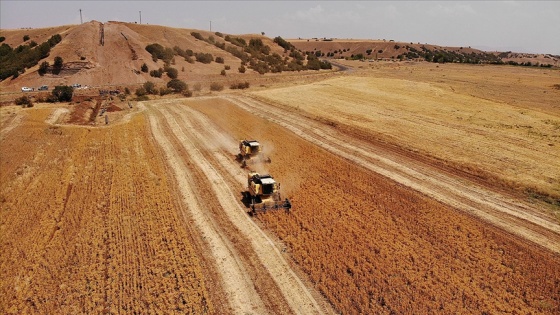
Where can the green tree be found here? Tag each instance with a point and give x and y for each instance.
(150, 87)
(43, 67)
(140, 92)
(63, 93)
(58, 62)
(177, 85)
(156, 73)
(172, 72)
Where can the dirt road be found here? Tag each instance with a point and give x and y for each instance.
(512, 215)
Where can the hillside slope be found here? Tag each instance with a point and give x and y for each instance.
(391, 50)
(108, 54)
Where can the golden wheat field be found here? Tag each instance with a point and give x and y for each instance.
(416, 189)
(89, 224)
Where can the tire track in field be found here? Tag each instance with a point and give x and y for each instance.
(291, 287)
(241, 293)
(511, 215)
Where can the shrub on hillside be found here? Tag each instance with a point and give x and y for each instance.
(24, 101)
(187, 93)
(63, 93)
(25, 38)
(58, 62)
(241, 86)
(172, 72)
(156, 73)
(204, 58)
(140, 92)
(237, 41)
(219, 60)
(216, 87)
(177, 85)
(242, 69)
(150, 87)
(144, 68)
(197, 35)
(43, 68)
(283, 43)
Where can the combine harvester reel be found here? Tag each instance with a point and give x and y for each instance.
(264, 194)
(250, 152)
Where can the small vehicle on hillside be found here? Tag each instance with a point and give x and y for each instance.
(76, 85)
(26, 89)
(43, 88)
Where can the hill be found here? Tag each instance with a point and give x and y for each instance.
(106, 55)
(391, 50)
(113, 53)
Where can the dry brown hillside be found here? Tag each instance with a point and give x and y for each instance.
(109, 54)
(390, 50)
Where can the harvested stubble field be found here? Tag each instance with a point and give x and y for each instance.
(89, 224)
(389, 216)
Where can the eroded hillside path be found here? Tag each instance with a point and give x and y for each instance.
(512, 215)
(253, 271)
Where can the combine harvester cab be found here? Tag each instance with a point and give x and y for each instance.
(250, 152)
(263, 194)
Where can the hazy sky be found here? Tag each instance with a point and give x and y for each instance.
(521, 26)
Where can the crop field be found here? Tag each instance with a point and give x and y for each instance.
(409, 196)
(89, 223)
(371, 245)
(503, 126)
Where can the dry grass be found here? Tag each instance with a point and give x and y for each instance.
(504, 132)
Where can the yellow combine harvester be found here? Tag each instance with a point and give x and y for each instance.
(250, 151)
(263, 194)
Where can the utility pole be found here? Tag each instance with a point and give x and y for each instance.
(140, 17)
(81, 21)
(210, 26)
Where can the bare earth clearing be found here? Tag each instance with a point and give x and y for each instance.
(408, 193)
